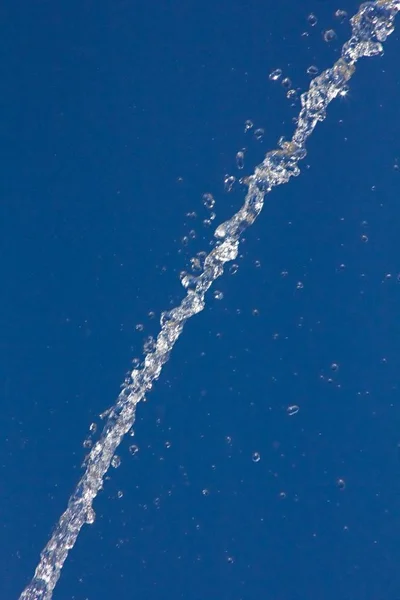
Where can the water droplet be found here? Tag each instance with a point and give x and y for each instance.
(329, 35)
(229, 180)
(364, 238)
(312, 19)
(259, 133)
(275, 75)
(341, 15)
(286, 83)
(218, 295)
(240, 159)
(335, 367)
(256, 457)
(312, 70)
(233, 269)
(115, 461)
(208, 201)
(293, 409)
(248, 125)
(133, 449)
(341, 484)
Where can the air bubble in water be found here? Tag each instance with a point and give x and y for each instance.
(256, 457)
(218, 295)
(259, 133)
(248, 125)
(286, 83)
(293, 409)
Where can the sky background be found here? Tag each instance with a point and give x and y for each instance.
(116, 117)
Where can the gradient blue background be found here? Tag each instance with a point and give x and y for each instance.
(115, 118)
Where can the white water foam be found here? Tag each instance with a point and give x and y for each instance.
(370, 27)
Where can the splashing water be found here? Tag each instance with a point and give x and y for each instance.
(370, 27)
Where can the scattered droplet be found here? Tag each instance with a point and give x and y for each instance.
(335, 367)
(364, 238)
(248, 125)
(341, 484)
(275, 75)
(240, 159)
(133, 449)
(256, 457)
(218, 295)
(312, 70)
(312, 19)
(115, 461)
(208, 201)
(229, 180)
(329, 35)
(259, 134)
(286, 83)
(293, 409)
(341, 15)
(233, 269)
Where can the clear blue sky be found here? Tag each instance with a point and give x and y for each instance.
(116, 117)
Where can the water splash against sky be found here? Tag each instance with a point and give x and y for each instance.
(370, 28)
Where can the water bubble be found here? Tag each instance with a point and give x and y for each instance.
(248, 125)
(218, 295)
(335, 367)
(364, 238)
(134, 449)
(293, 409)
(286, 83)
(256, 457)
